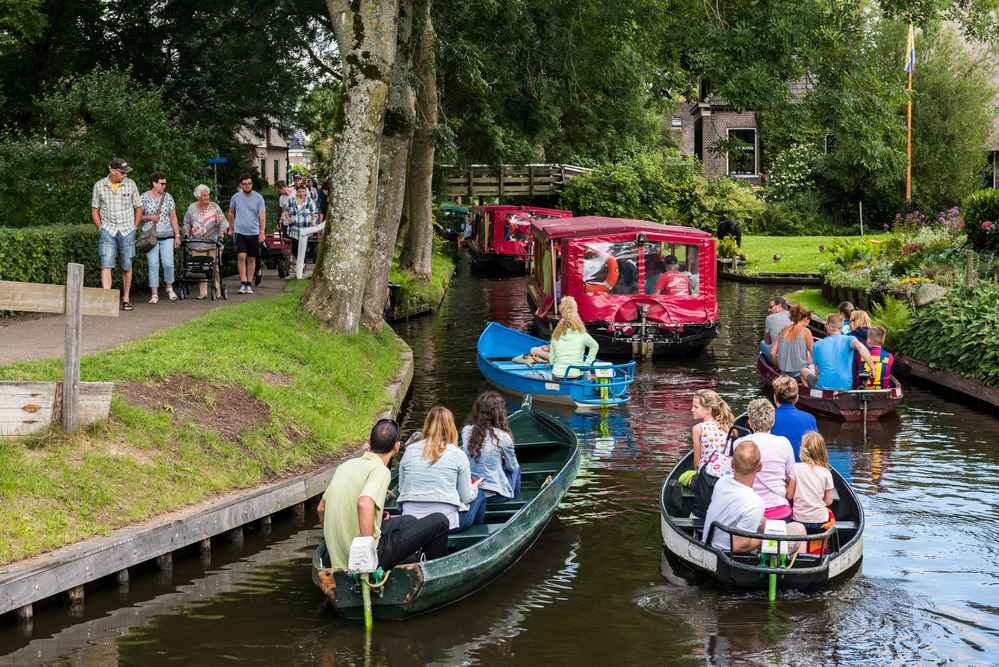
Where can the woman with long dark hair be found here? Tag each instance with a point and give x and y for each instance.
(488, 443)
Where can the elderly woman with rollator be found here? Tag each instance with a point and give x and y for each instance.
(204, 224)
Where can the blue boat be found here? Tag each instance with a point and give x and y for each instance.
(600, 384)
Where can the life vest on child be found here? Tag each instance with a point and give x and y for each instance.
(877, 375)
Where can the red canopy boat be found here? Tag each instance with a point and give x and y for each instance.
(642, 288)
(503, 232)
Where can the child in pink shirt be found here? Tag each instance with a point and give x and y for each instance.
(811, 484)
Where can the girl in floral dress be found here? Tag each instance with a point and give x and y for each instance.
(712, 421)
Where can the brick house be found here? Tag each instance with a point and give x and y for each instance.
(270, 152)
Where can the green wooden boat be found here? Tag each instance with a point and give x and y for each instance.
(549, 459)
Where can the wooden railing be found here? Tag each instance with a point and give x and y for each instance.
(525, 180)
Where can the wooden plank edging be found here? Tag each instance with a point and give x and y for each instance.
(40, 577)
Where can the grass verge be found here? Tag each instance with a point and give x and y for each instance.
(414, 293)
(815, 302)
(798, 254)
(242, 395)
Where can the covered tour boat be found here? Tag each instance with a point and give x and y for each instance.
(854, 405)
(642, 288)
(500, 351)
(829, 556)
(549, 459)
(452, 221)
(502, 234)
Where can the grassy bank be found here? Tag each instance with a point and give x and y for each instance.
(243, 395)
(414, 294)
(797, 254)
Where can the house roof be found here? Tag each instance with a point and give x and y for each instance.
(593, 225)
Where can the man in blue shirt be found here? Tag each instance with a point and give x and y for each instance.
(248, 219)
(832, 358)
(789, 421)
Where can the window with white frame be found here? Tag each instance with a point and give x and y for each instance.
(742, 152)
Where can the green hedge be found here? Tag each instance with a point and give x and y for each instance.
(40, 255)
(982, 207)
(959, 334)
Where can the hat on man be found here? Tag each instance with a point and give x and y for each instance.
(120, 165)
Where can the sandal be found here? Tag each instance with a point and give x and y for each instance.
(201, 297)
(172, 295)
(125, 305)
(154, 298)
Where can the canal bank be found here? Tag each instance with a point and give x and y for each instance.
(590, 590)
(253, 406)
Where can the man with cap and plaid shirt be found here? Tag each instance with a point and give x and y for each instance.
(116, 209)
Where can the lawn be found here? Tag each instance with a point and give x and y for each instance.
(242, 395)
(797, 254)
(815, 302)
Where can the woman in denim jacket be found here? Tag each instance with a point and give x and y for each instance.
(435, 475)
(489, 445)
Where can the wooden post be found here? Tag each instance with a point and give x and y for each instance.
(530, 179)
(500, 172)
(969, 269)
(25, 613)
(236, 537)
(75, 596)
(205, 547)
(71, 360)
(299, 514)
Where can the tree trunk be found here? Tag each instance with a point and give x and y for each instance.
(417, 252)
(366, 36)
(397, 136)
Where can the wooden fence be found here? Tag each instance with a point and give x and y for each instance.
(526, 180)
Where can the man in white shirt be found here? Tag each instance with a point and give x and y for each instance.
(777, 319)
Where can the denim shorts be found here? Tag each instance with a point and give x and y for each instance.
(118, 246)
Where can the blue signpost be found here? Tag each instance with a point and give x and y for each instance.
(215, 162)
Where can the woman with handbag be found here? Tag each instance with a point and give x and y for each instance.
(160, 235)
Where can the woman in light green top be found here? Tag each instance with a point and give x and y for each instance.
(570, 344)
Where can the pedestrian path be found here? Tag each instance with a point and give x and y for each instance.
(24, 339)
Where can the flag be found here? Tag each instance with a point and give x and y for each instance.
(910, 52)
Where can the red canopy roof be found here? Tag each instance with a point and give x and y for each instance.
(594, 225)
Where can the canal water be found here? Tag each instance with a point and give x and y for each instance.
(594, 589)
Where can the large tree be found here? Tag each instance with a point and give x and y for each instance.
(366, 34)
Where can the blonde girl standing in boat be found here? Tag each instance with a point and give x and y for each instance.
(712, 421)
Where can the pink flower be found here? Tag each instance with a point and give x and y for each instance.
(987, 225)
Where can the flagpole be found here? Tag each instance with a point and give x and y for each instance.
(908, 113)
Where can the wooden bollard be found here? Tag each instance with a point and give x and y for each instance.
(25, 613)
(75, 596)
(122, 579)
(205, 547)
(299, 514)
(265, 524)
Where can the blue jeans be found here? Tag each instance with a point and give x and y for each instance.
(476, 513)
(112, 248)
(765, 351)
(163, 250)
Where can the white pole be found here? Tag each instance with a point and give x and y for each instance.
(861, 204)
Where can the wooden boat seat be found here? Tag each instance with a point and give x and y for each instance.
(470, 536)
(688, 492)
(694, 523)
(540, 468)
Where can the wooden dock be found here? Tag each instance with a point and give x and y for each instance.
(507, 180)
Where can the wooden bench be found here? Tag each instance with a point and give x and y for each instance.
(471, 535)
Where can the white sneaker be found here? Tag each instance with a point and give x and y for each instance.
(249, 289)
(171, 294)
(242, 289)
(155, 298)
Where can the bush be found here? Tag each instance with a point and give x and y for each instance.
(792, 172)
(799, 215)
(981, 219)
(40, 255)
(85, 121)
(895, 316)
(959, 334)
(663, 187)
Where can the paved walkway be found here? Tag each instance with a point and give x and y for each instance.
(42, 337)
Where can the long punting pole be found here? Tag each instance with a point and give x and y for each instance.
(908, 114)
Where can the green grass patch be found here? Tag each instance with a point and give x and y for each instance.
(415, 292)
(798, 254)
(813, 300)
(262, 392)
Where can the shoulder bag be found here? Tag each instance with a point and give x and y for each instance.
(704, 482)
(147, 237)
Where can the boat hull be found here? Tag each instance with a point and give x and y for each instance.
(493, 261)
(692, 340)
(846, 406)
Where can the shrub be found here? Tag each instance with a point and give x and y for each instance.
(981, 218)
(959, 333)
(664, 187)
(792, 172)
(895, 316)
(40, 255)
(799, 215)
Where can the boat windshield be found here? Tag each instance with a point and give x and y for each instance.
(517, 227)
(672, 269)
(611, 268)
